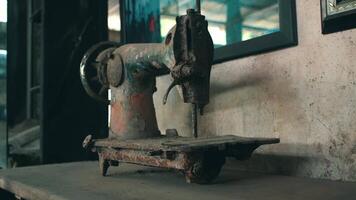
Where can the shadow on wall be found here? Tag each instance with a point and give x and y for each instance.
(231, 90)
(232, 94)
(263, 100)
(219, 88)
(175, 114)
(246, 101)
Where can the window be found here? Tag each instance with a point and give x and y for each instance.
(114, 20)
(229, 21)
(238, 27)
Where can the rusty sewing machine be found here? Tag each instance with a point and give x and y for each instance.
(130, 72)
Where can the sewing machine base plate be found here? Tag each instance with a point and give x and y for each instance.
(200, 159)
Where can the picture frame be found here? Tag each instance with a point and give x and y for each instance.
(338, 15)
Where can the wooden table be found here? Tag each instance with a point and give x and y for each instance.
(130, 182)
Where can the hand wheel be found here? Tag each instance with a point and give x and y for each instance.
(93, 70)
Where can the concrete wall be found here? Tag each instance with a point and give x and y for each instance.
(305, 95)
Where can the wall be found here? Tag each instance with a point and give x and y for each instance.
(305, 95)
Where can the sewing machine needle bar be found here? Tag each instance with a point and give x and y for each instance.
(195, 120)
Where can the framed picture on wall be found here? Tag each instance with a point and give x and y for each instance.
(338, 15)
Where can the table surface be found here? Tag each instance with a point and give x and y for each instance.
(81, 180)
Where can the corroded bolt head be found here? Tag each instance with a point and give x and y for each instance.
(171, 133)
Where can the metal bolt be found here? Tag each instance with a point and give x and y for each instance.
(171, 133)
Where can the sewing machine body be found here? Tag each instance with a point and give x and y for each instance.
(130, 72)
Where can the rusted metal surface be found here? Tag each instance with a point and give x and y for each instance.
(132, 110)
(133, 115)
(178, 161)
(182, 143)
(200, 159)
(131, 70)
(194, 52)
(115, 75)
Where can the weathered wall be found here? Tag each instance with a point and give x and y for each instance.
(305, 95)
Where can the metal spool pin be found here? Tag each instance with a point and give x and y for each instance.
(198, 5)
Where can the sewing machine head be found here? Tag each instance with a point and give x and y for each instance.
(130, 71)
(193, 55)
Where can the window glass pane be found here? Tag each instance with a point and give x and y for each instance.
(114, 20)
(3, 53)
(230, 21)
